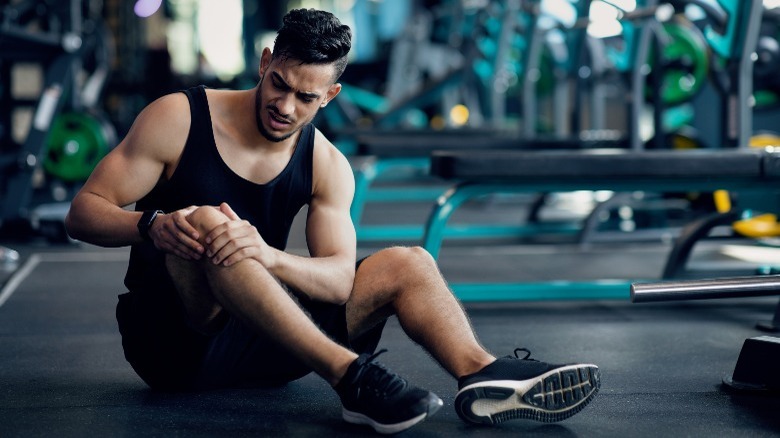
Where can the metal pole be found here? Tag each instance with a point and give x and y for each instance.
(766, 285)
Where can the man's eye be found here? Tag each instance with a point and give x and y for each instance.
(279, 85)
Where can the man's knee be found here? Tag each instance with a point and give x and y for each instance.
(412, 257)
(401, 263)
(205, 218)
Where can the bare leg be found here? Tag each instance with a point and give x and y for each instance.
(249, 292)
(407, 282)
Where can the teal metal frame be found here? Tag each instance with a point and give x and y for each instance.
(367, 174)
(544, 291)
(373, 169)
(460, 193)
(435, 231)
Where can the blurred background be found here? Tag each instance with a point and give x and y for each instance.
(75, 73)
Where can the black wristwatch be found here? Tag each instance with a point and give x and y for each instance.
(145, 224)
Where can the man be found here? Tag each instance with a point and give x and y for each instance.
(217, 177)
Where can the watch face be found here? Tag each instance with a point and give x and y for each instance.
(152, 217)
(147, 218)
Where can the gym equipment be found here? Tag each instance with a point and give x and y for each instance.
(481, 172)
(685, 61)
(590, 64)
(495, 171)
(763, 225)
(766, 285)
(565, 56)
(555, 53)
(493, 46)
(756, 369)
(653, 36)
(764, 139)
(435, 62)
(566, 52)
(67, 134)
(395, 150)
(767, 61)
(76, 143)
(734, 42)
(751, 224)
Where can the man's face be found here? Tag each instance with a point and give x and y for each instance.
(290, 94)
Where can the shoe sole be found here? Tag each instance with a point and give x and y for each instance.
(432, 404)
(553, 396)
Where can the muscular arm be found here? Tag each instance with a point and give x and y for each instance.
(130, 171)
(330, 271)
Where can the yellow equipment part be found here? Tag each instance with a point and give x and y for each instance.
(763, 225)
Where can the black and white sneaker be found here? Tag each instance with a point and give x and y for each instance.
(523, 388)
(371, 394)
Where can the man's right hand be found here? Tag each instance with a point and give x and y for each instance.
(172, 233)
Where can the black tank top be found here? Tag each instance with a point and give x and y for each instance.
(203, 178)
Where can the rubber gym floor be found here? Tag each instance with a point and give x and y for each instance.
(62, 370)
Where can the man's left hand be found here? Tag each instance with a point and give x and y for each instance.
(236, 240)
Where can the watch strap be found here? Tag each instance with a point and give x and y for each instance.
(145, 223)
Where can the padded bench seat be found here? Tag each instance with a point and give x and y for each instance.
(481, 172)
(603, 164)
(424, 145)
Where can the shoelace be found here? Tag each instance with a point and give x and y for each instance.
(527, 354)
(375, 376)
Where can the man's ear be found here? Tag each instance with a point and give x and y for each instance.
(265, 61)
(333, 91)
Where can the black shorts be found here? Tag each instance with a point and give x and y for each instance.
(168, 354)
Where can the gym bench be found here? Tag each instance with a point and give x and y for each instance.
(410, 155)
(483, 172)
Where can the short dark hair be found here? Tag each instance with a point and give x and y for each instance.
(314, 37)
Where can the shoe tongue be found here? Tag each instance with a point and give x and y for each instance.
(381, 378)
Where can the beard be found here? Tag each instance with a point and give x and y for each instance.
(260, 126)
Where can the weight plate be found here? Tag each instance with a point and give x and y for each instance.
(75, 145)
(686, 62)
